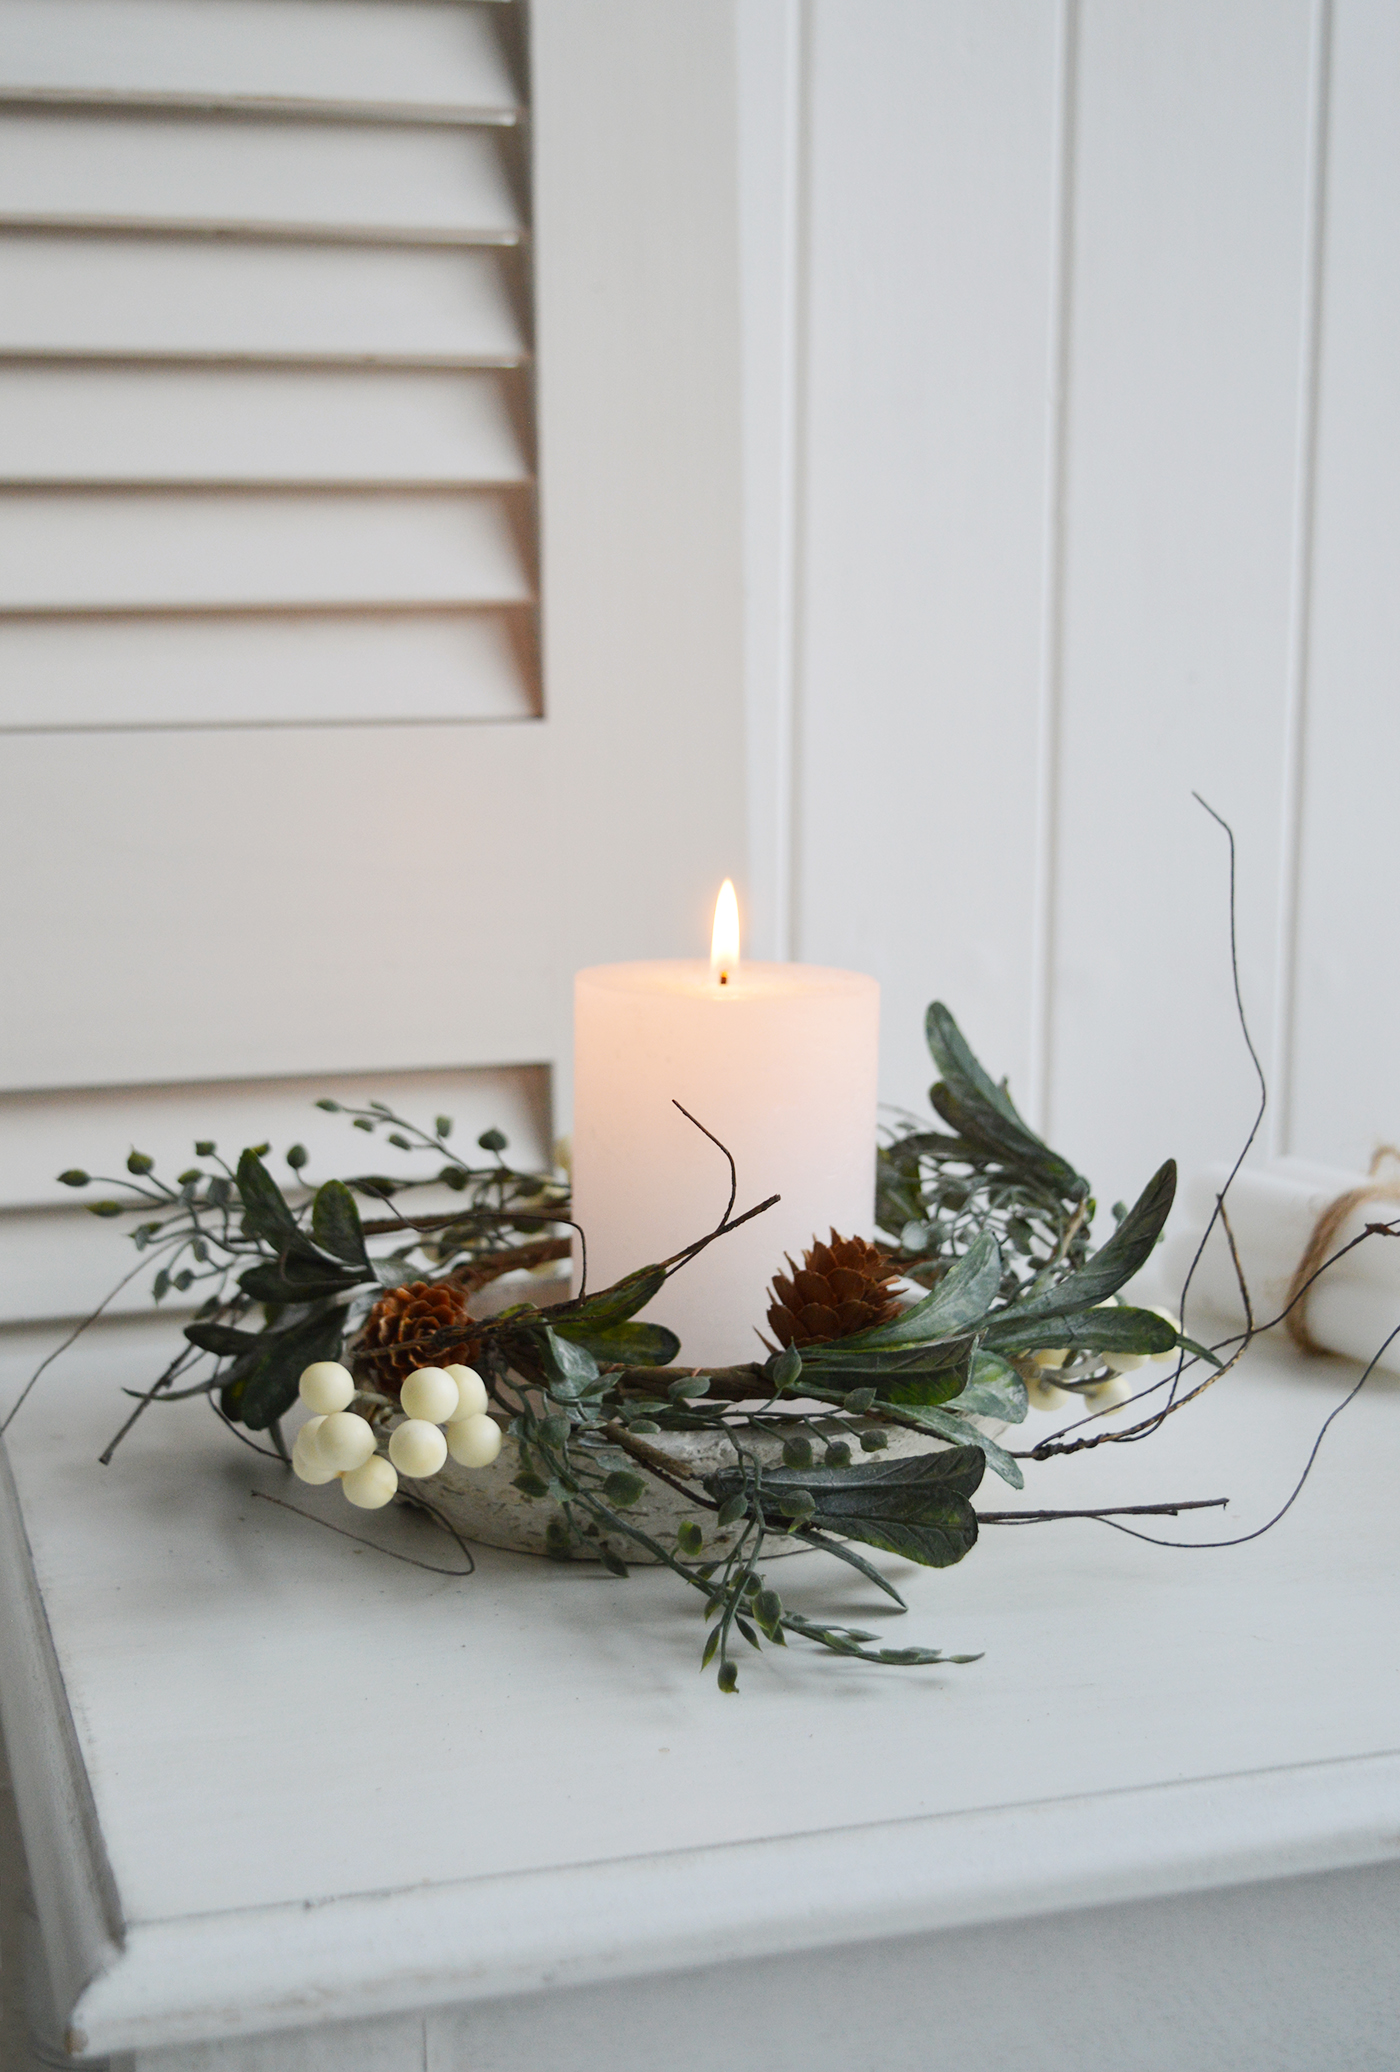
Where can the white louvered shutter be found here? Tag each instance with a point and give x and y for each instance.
(265, 407)
(335, 733)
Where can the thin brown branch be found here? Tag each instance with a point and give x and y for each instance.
(1071, 1231)
(1200, 1503)
(489, 1266)
(688, 1252)
(1144, 1430)
(433, 1568)
(390, 1226)
(730, 1384)
(1239, 1268)
(729, 1157)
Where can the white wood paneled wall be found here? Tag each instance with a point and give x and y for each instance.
(1073, 360)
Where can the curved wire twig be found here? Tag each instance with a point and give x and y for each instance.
(360, 1540)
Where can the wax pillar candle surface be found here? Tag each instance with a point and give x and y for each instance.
(781, 1063)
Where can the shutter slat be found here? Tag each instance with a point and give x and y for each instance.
(311, 179)
(267, 670)
(182, 425)
(265, 419)
(134, 551)
(184, 299)
(439, 61)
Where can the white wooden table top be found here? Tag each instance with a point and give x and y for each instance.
(328, 1785)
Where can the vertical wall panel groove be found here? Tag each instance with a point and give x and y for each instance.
(1042, 974)
(1345, 1080)
(1300, 627)
(791, 941)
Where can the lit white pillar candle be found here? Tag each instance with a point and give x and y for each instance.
(780, 1061)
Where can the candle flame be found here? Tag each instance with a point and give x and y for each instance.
(724, 942)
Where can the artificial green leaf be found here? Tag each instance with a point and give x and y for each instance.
(266, 1211)
(624, 1487)
(947, 1424)
(613, 1305)
(631, 1345)
(982, 1109)
(962, 1298)
(571, 1369)
(687, 1386)
(916, 1506)
(221, 1339)
(1126, 1251)
(854, 1560)
(785, 1368)
(795, 1501)
(269, 1282)
(1116, 1329)
(924, 1390)
(266, 1388)
(335, 1224)
(993, 1390)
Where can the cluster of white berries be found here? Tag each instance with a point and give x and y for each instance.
(336, 1442)
(1110, 1395)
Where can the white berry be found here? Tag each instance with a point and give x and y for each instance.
(305, 1463)
(417, 1448)
(1110, 1396)
(471, 1394)
(1041, 1396)
(326, 1386)
(1123, 1363)
(1051, 1356)
(344, 1442)
(474, 1441)
(429, 1393)
(371, 1484)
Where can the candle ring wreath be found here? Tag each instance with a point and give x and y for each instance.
(980, 1297)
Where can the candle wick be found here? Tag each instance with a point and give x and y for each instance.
(724, 978)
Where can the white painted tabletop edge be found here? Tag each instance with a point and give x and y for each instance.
(289, 1966)
(74, 1890)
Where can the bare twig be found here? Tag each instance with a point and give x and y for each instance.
(360, 1541)
(729, 1155)
(73, 1336)
(1199, 1503)
(688, 1252)
(1243, 1284)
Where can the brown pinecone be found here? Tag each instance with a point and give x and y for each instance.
(839, 1288)
(392, 1342)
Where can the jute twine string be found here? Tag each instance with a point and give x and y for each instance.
(1323, 1241)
